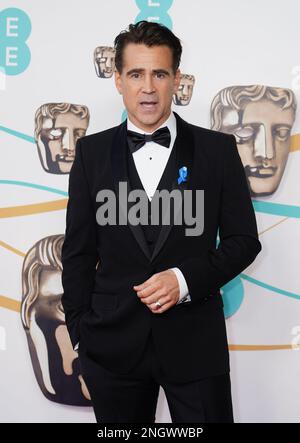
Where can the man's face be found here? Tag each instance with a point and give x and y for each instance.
(105, 62)
(58, 139)
(185, 91)
(147, 84)
(263, 140)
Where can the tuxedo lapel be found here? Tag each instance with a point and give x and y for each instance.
(184, 152)
(184, 146)
(120, 174)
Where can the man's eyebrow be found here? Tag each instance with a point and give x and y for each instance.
(141, 70)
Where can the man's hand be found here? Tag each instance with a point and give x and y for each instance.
(162, 287)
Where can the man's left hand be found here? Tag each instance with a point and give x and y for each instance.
(162, 287)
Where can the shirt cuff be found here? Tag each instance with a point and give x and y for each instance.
(183, 288)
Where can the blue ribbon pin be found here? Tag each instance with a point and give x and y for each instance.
(182, 175)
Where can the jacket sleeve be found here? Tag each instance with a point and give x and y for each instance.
(79, 250)
(239, 244)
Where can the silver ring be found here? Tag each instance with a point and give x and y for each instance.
(157, 303)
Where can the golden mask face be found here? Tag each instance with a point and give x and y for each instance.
(54, 361)
(262, 128)
(185, 90)
(104, 61)
(58, 127)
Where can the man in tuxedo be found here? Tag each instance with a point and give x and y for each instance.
(143, 300)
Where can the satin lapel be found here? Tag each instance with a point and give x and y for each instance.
(184, 146)
(120, 174)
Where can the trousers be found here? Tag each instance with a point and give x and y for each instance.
(133, 397)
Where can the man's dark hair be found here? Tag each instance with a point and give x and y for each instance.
(149, 34)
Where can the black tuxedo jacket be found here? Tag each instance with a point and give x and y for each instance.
(101, 264)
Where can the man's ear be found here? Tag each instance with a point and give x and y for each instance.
(118, 81)
(177, 80)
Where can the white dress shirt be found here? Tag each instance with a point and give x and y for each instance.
(150, 162)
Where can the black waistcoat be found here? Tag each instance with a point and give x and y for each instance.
(151, 231)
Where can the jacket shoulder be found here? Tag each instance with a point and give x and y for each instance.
(96, 144)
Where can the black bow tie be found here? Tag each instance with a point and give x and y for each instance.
(136, 140)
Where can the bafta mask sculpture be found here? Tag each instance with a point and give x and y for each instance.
(104, 61)
(58, 126)
(261, 119)
(55, 363)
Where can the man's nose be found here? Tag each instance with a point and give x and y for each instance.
(263, 144)
(148, 85)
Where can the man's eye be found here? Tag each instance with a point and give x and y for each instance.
(135, 75)
(160, 75)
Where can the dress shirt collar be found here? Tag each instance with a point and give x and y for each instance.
(170, 123)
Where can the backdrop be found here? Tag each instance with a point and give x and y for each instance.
(240, 75)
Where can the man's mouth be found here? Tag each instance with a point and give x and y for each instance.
(148, 105)
(260, 171)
